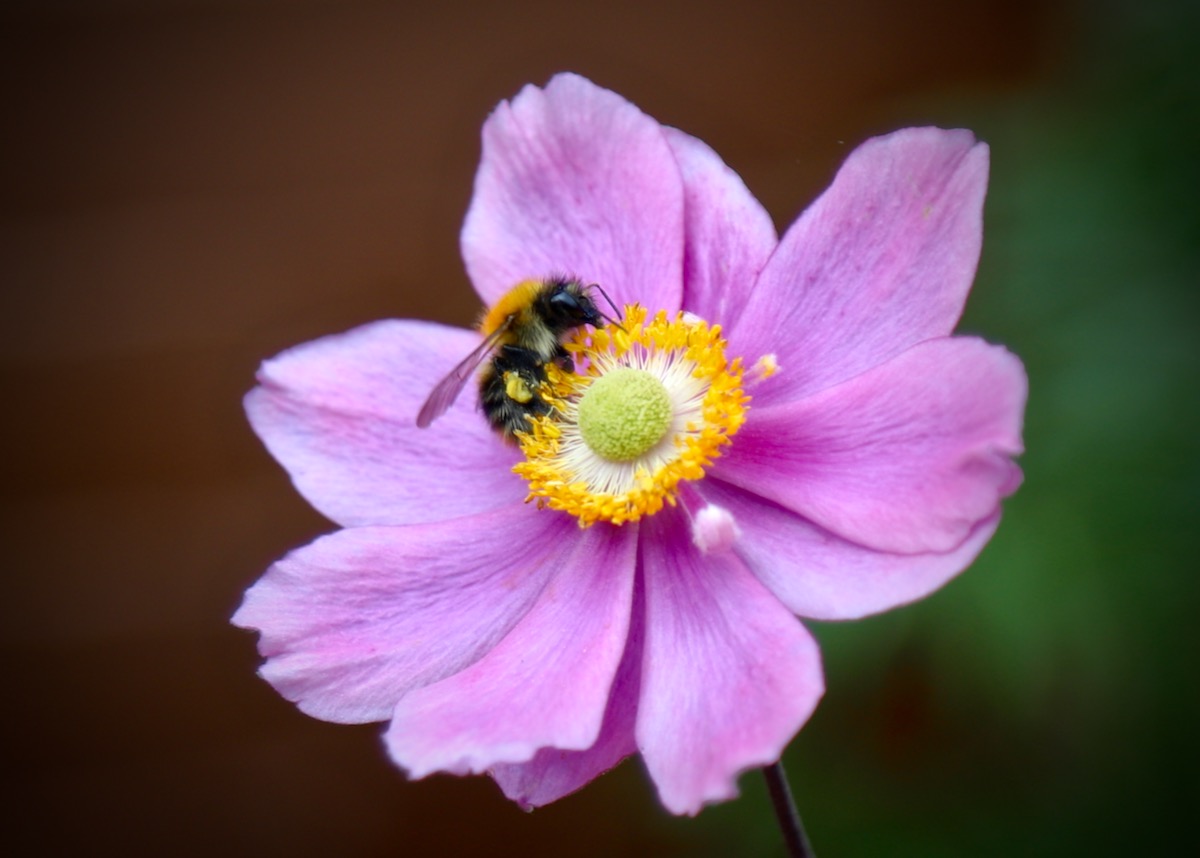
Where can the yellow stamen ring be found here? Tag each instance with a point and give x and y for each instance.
(668, 401)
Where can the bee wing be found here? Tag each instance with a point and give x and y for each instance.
(447, 390)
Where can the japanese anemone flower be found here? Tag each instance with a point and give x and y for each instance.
(827, 450)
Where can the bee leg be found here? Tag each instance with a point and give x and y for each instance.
(563, 358)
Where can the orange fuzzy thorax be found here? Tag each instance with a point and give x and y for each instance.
(514, 302)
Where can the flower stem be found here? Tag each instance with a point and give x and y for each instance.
(785, 812)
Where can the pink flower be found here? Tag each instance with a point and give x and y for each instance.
(499, 636)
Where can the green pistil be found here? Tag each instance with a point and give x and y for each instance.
(624, 413)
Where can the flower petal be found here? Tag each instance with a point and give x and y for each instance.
(728, 234)
(909, 457)
(357, 618)
(728, 677)
(545, 685)
(824, 577)
(883, 260)
(338, 413)
(576, 180)
(554, 773)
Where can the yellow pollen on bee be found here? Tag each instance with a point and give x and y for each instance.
(652, 405)
(516, 388)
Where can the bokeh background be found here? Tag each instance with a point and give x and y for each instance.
(189, 186)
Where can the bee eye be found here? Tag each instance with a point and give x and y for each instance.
(563, 301)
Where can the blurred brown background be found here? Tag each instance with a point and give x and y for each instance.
(189, 187)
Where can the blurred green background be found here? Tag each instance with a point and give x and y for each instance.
(189, 187)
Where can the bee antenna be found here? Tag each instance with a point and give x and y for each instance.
(600, 289)
(611, 321)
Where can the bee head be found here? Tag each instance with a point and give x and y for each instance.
(567, 305)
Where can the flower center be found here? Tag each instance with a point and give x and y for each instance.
(650, 406)
(624, 413)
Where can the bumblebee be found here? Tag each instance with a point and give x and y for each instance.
(522, 333)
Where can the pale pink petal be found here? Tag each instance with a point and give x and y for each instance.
(729, 235)
(338, 413)
(576, 180)
(883, 260)
(909, 457)
(554, 773)
(824, 577)
(356, 619)
(545, 685)
(729, 675)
